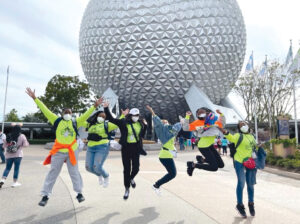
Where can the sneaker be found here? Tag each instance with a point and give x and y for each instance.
(190, 168)
(126, 195)
(80, 198)
(105, 182)
(133, 184)
(100, 180)
(44, 201)
(16, 184)
(2, 182)
(156, 190)
(200, 159)
(241, 210)
(251, 208)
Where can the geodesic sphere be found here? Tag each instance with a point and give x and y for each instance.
(152, 51)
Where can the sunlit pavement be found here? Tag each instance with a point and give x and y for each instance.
(207, 197)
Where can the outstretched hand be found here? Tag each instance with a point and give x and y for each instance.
(218, 111)
(145, 122)
(105, 104)
(125, 112)
(30, 93)
(98, 102)
(188, 113)
(150, 109)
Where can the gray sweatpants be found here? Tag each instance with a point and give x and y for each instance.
(57, 162)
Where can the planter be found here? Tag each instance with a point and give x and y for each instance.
(279, 150)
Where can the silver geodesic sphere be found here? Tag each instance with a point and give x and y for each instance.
(152, 51)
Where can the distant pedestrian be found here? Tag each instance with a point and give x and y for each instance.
(224, 145)
(14, 144)
(2, 139)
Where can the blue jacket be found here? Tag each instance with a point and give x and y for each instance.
(165, 132)
(261, 158)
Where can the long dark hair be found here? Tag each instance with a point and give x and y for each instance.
(93, 119)
(14, 134)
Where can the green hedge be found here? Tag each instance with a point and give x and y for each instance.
(286, 142)
(291, 162)
(39, 141)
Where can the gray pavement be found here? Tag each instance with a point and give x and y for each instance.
(204, 198)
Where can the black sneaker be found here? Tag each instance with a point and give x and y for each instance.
(126, 195)
(241, 210)
(133, 184)
(190, 168)
(200, 159)
(44, 201)
(251, 208)
(80, 198)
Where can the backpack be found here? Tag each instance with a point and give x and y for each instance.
(110, 135)
(74, 124)
(12, 146)
(233, 147)
(96, 137)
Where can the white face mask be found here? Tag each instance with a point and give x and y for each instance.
(135, 119)
(100, 119)
(67, 117)
(245, 129)
(202, 115)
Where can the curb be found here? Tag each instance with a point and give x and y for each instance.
(282, 173)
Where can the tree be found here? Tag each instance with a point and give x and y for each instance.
(32, 117)
(66, 92)
(12, 116)
(271, 94)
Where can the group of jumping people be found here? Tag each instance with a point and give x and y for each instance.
(99, 124)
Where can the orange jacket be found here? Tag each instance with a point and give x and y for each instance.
(200, 123)
(56, 147)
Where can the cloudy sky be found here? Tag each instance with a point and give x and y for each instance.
(39, 38)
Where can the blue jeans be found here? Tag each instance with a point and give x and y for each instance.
(95, 157)
(2, 153)
(9, 163)
(171, 168)
(242, 177)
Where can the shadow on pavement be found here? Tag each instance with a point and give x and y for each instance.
(57, 218)
(148, 215)
(105, 219)
(180, 222)
(238, 220)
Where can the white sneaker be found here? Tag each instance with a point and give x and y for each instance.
(16, 184)
(106, 182)
(100, 180)
(2, 182)
(156, 190)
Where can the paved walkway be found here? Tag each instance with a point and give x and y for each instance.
(204, 198)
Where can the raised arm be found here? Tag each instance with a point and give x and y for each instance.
(186, 124)
(109, 117)
(47, 113)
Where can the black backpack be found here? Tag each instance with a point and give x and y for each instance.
(96, 137)
(233, 147)
(74, 124)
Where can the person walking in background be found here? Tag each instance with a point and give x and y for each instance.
(2, 139)
(65, 147)
(98, 145)
(193, 140)
(181, 143)
(132, 130)
(14, 144)
(167, 134)
(245, 147)
(224, 145)
(219, 144)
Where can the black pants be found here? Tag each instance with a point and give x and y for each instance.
(213, 160)
(224, 149)
(131, 162)
(171, 168)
